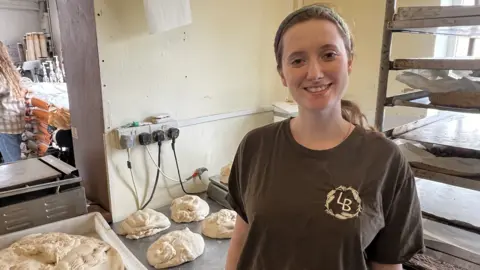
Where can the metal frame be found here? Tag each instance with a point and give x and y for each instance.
(390, 7)
(414, 24)
(418, 24)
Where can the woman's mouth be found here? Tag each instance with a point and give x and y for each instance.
(318, 88)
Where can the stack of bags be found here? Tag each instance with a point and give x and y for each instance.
(45, 113)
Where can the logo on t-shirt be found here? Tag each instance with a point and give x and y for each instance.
(343, 203)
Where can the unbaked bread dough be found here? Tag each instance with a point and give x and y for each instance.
(220, 224)
(175, 248)
(59, 251)
(189, 208)
(225, 173)
(144, 223)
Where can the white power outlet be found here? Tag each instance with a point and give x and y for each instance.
(163, 124)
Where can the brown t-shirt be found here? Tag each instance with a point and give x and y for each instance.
(334, 209)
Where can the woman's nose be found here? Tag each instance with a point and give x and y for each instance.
(315, 70)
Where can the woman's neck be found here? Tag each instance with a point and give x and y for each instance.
(320, 130)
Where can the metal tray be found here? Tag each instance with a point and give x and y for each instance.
(213, 258)
(461, 131)
(92, 224)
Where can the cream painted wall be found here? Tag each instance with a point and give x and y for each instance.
(220, 63)
(365, 19)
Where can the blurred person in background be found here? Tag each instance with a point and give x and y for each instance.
(12, 108)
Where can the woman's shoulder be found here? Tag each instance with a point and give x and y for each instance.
(378, 144)
(263, 135)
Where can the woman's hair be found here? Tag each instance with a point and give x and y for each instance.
(8, 73)
(350, 111)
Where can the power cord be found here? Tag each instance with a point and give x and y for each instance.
(126, 142)
(160, 169)
(173, 133)
(159, 137)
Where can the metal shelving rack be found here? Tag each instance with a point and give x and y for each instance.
(445, 20)
(459, 131)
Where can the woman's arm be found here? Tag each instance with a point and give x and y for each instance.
(378, 266)
(236, 243)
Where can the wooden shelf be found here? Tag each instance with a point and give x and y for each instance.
(437, 63)
(419, 99)
(436, 12)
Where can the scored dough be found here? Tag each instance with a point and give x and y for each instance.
(189, 208)
(59, 251)
(144, 223)
(175, 248)
(220, 224)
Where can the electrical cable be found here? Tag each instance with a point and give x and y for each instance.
(158, 173)
(160, 169)
(129, 165)
(178, 170)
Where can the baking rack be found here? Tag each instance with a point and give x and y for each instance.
(453, 129)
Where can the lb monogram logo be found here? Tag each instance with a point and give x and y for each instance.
(343, 203)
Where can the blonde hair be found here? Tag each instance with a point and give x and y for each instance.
(350, 111)
(8, 73)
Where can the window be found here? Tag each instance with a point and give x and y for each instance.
(462, 43)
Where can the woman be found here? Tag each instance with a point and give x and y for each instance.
(322, 190)
(12, 109)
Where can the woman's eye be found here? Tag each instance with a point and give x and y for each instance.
(329, 56)
(297, 62)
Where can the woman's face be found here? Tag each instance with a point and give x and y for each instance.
(315, 64)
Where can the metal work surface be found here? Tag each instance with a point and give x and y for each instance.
(450, 203)
(214, 256)
(462, 131)
(437, 63)
(24, 172)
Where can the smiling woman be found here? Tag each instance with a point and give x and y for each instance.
(352, 201)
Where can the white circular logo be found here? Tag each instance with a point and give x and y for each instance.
(343, 203)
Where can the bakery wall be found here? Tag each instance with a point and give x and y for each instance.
(222, 62)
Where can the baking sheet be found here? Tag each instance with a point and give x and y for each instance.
(461, 131)
(87, 225)
(449, 202)
(213, 258)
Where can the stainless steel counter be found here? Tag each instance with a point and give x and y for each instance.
(213, 258)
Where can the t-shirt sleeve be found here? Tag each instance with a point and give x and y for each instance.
(235, 186)
(402, 236)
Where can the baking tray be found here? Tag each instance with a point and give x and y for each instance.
(460, 131)
(93, 225)
(213, 258)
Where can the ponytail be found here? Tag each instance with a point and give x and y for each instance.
(352, 113)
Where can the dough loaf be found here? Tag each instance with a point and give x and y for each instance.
(189, 208)
(220, 224)
(175, 248)
(58, 251)
(144, 223)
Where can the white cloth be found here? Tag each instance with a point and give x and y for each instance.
(165, 15)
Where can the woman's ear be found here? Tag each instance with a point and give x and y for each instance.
(280, 72)
(350, 64)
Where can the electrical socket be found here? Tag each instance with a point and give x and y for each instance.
(164, 124)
